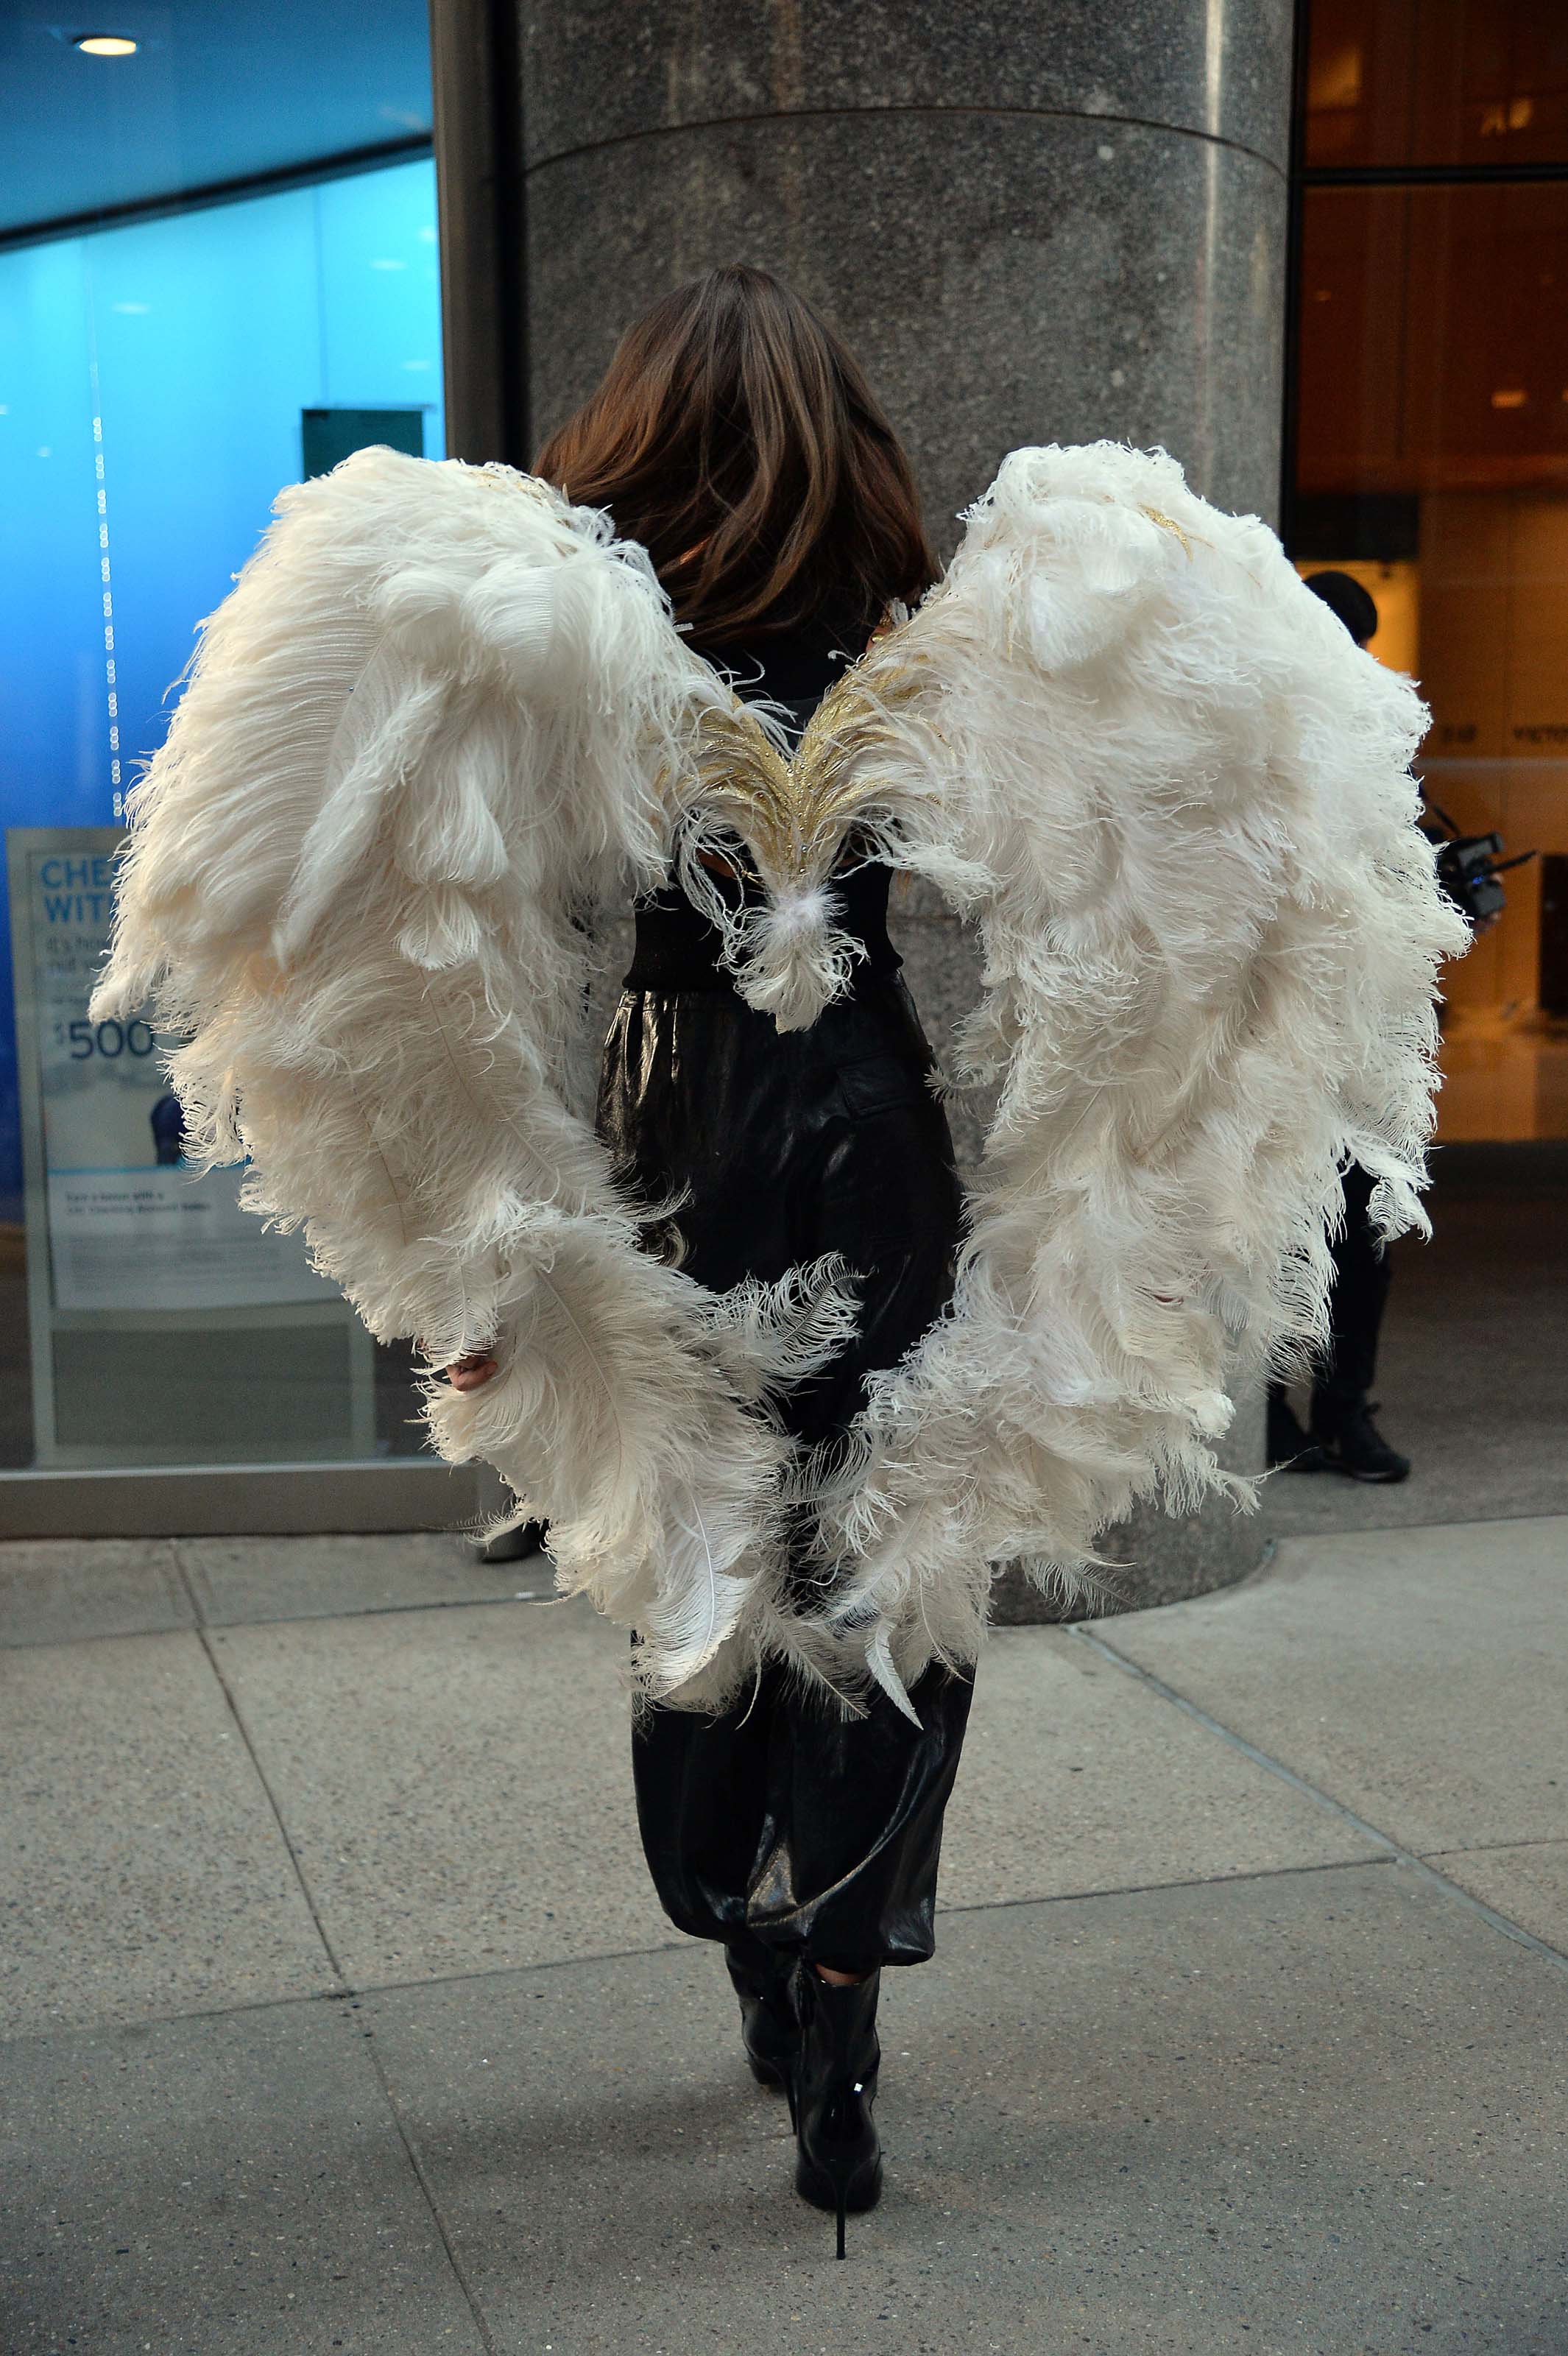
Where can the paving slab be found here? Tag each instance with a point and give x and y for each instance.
(52, 1590)
(241, 1579)
(456, 1784)
(458, 1789)
(1528, 1882)
(1076, 1777)
(143, 1870)
(1420, 1677)
(233, 2184)
(1316, 2113)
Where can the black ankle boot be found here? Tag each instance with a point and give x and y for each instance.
(839, 2166)
(769, 2030)
(1352, 1443)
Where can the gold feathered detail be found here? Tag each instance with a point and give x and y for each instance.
(793, 813)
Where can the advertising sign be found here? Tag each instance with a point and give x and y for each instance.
(130, 1226)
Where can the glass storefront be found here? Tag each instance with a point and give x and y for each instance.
(1432, 461)
(189, 318)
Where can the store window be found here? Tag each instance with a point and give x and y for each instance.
(217, 273)
(1432, 461)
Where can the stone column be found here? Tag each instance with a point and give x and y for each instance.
(1035, 222)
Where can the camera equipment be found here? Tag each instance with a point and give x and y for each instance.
(1468, 866)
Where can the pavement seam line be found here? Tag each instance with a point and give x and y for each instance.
(1325, 1800)
(1156, 1888)
(1489, 1849)
(977, 1906)
(287, 1618)
(355, 1990)
(423, 2181)
(549, 1595)
(1330, 1535)
(204, 1637)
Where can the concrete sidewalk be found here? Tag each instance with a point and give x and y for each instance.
(338, 2014)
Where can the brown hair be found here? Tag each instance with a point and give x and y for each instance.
(733, 435)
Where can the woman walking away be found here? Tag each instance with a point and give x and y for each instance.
(736, 440)
(705, 1293)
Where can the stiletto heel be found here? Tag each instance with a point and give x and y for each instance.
(838, 2165)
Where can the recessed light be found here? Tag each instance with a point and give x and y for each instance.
(105, 45)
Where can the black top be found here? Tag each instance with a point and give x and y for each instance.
(794, 667)
(678, 947)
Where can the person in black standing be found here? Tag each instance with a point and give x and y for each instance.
(1343, 1437)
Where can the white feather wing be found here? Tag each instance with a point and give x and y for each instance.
(1177, 800)
(442, 715)
(421, 736)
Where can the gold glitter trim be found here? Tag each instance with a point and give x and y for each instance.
(1169, 524)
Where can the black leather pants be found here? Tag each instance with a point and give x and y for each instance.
(781, 1824)
(784, 1825)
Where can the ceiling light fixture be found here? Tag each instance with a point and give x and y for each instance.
(105, 45)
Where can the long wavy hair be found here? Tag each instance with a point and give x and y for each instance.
(734, 436)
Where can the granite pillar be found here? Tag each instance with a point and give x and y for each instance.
(1033, 222)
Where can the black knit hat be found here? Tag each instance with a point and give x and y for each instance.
(1344, 596)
